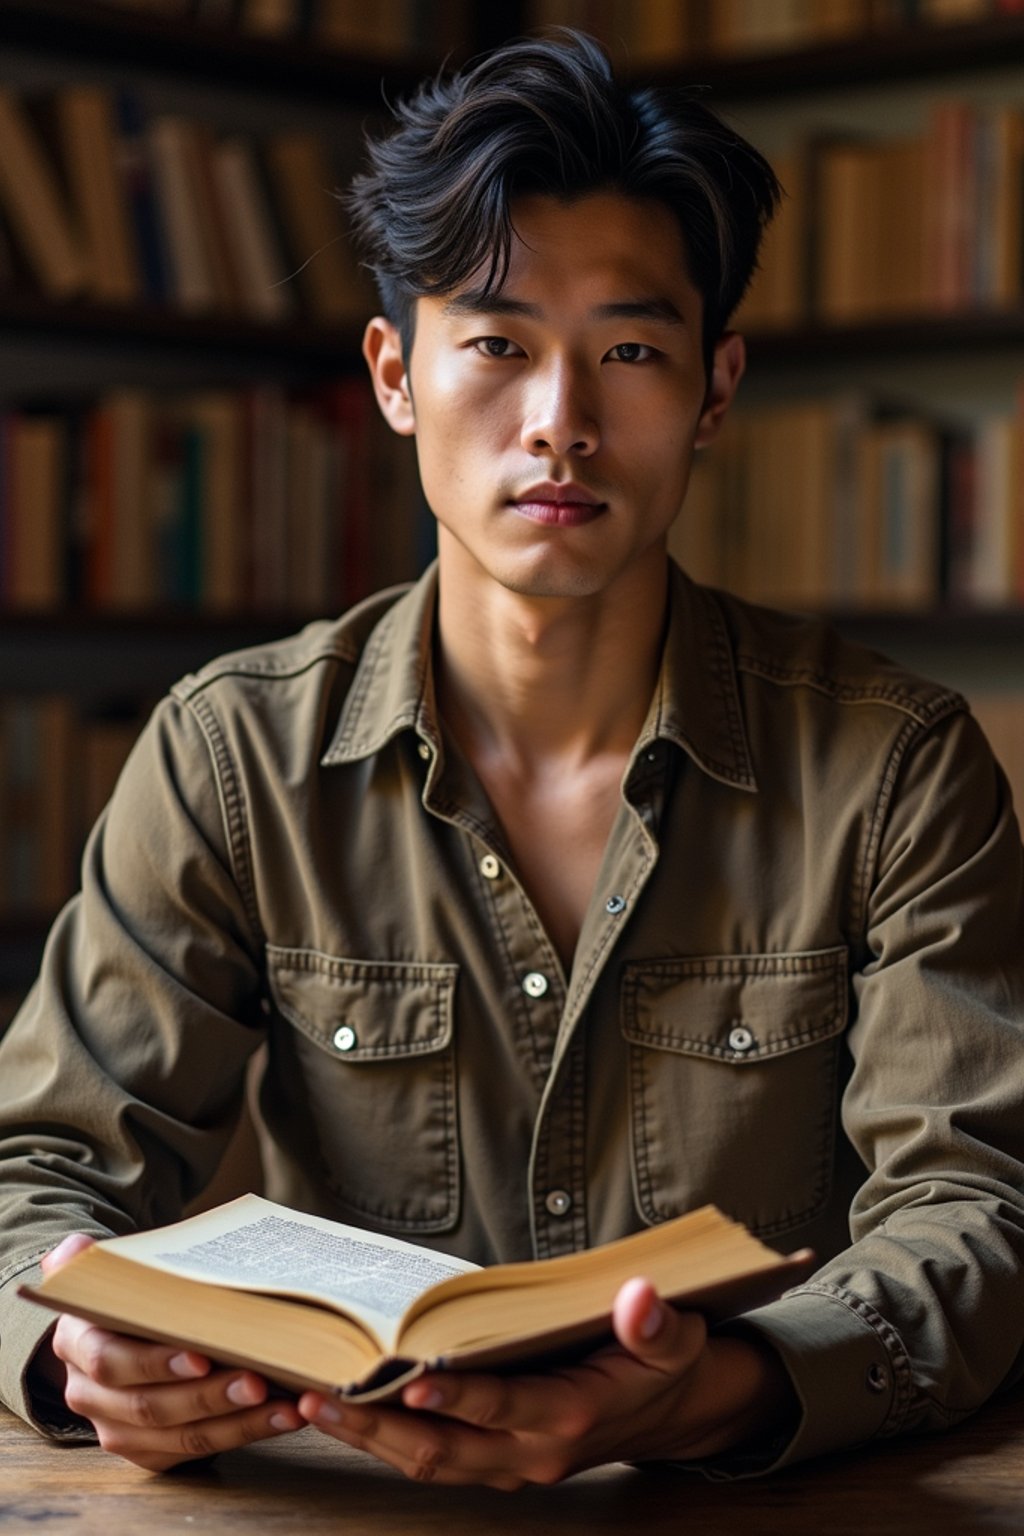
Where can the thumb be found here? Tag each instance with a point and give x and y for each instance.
(72, 1244)
(654, 1332)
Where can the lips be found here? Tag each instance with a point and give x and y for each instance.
(564, 505)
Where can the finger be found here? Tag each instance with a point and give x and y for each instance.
(655, 1333)
(509, 1404)
(164, 1406)
(119, 1360)
(74, 1243)
(157, 1450)
(420, 1446)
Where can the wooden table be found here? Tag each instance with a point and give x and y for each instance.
(966, 1482)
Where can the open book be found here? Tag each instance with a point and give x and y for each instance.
(312, 1303)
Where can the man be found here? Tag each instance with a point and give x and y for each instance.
(568, 895)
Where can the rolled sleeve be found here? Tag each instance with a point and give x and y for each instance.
(847, 1365)
(24, 1327)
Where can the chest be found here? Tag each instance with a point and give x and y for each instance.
(557, 830)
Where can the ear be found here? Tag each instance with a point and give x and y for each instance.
(382, 348)
(727, 368)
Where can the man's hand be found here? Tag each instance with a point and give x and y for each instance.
(153, 1405)
(664, 1391)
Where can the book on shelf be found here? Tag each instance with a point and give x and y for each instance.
(778, 292)
(58, 767)
(218, 245)
(216, 417)
(313, 1303)
(36, 807)
(992, 556)
(1000, 713)
(33, 468)
(35, 205)
(87, 120)
(257, 252)
(897, 554)
(115, 510)
(324, 266)
(192, 282)
(138, 181)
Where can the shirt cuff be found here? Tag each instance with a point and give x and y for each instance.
(24, 1327)
(848, 1367)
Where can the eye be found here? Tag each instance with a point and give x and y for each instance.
(496, 346)
(632, 352)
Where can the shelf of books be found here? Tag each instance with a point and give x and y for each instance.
(319, 48)
(783, 49)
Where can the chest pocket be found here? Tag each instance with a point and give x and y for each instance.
(373, 1045)
(733, 1070)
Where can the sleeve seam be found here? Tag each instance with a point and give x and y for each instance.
(232, 806)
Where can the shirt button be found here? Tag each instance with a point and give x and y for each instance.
(344, 1038)
(490, 867)
(534, 984)
(740, 1039)
(877, 1378)
(424, 751)
(558, 1202)
(614, 905)
(652, 755)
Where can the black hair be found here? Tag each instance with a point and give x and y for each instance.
(548, 115)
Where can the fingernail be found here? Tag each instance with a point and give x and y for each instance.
(63, 1250)
(425, 1397)
(328, 1413)
(244, 1392)
(281, 1422)
(184, 1365)
(652, 1322)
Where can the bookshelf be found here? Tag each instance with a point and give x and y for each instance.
(77, 677)
(59, 351)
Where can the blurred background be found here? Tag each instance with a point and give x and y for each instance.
(190, 459)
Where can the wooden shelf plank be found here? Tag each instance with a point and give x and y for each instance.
(898, 336)
(337, 348)
(111, 327)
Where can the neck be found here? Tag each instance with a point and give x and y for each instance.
(531, 681)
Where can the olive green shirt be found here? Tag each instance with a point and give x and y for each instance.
(798, 992)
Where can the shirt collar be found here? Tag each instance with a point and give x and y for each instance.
(393, 689)
(696, 700)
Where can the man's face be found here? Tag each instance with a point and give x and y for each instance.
(556, 420)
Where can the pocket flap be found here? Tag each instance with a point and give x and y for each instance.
(364, 1010)
(737, 1008)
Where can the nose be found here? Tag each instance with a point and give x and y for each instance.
(560, 418)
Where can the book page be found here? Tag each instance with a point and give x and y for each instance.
(254, 1244)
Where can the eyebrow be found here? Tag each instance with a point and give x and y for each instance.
(474, 302)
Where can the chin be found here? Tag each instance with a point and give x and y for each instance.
(551, 583)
